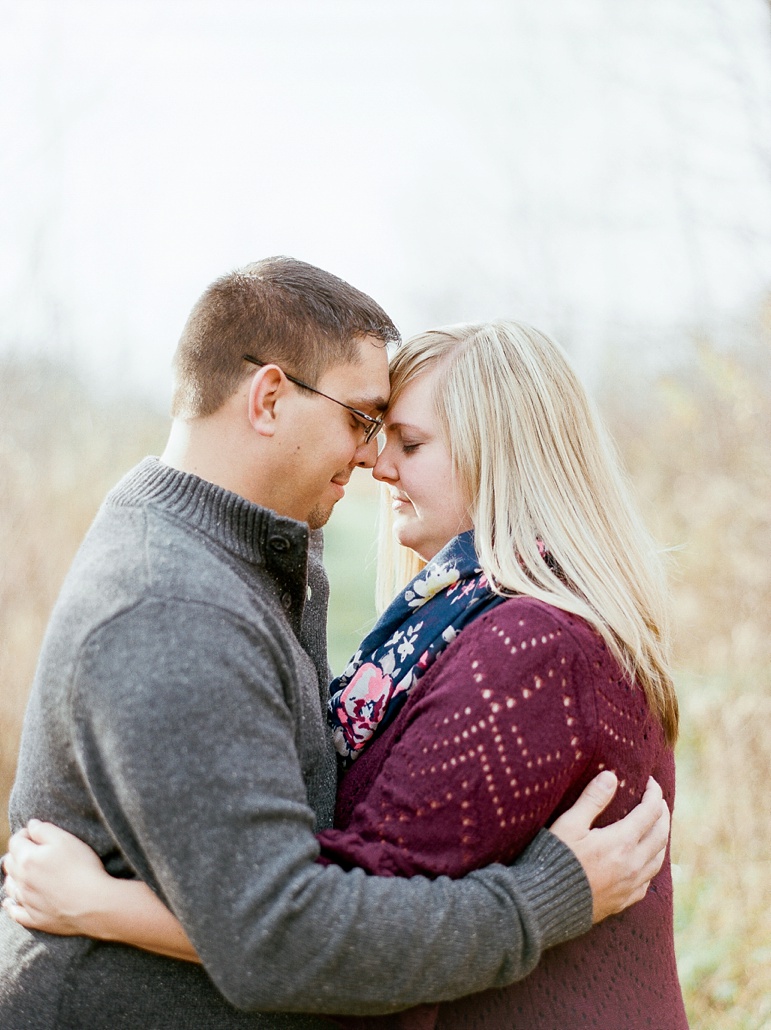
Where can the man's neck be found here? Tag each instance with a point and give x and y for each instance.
(209, 451)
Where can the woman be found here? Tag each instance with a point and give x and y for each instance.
(527, 655)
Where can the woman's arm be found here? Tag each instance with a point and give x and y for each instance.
(65, 889)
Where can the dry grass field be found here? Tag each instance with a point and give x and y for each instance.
(699, 452)
(698, 449)
(60, 451)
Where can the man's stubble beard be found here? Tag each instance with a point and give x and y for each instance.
(319, 516)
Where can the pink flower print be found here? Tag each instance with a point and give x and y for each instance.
(427, 659)
(361, 705)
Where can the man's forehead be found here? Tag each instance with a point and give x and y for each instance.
(365, 380)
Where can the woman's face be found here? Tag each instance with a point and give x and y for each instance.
(429, 509)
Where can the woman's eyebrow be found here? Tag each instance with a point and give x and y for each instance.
(401, 425)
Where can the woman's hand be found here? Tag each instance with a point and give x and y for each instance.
(56, 883)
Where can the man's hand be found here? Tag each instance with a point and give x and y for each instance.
(619, 860)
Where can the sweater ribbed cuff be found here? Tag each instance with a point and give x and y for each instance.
(555, 883)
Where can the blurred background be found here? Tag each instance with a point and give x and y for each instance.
(600, 168)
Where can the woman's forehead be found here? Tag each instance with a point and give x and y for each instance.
(412, 400)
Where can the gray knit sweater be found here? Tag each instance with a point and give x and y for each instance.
(177, 725)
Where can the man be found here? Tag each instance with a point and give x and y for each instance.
(177, 721)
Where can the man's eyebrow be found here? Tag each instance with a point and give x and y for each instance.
(378, 403)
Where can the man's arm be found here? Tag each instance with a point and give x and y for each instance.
(195, 765)
(56, 883)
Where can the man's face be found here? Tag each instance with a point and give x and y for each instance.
(325, 441)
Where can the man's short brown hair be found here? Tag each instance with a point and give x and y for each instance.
(278, 310)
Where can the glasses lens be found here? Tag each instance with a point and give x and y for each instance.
(373, 430)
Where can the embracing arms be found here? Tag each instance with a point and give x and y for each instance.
(56, 883)
(220, 828)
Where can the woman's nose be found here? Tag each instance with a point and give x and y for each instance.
(384, 469)
(366, 454)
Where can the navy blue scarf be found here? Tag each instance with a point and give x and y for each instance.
(419, 623)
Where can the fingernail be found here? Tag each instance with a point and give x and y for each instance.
(606, 780)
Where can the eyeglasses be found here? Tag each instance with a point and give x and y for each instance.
(371, 425)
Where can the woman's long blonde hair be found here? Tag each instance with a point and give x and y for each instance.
(536, 464)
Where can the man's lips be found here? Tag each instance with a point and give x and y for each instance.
(340, 482)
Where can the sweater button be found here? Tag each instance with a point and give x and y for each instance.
(279, 543)
(286, 600)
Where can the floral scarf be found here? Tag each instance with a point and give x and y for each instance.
(419, 623)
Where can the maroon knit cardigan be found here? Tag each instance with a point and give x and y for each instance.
(495, 741)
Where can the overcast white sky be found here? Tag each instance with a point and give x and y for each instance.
(599, 167)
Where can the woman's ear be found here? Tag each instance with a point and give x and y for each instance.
(268, 385)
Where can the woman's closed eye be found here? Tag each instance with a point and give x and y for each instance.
(403, 441)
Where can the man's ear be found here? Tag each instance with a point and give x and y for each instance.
(267, 387)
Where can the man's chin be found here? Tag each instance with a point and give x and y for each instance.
(320, 515)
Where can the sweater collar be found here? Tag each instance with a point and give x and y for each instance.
(255, 534)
